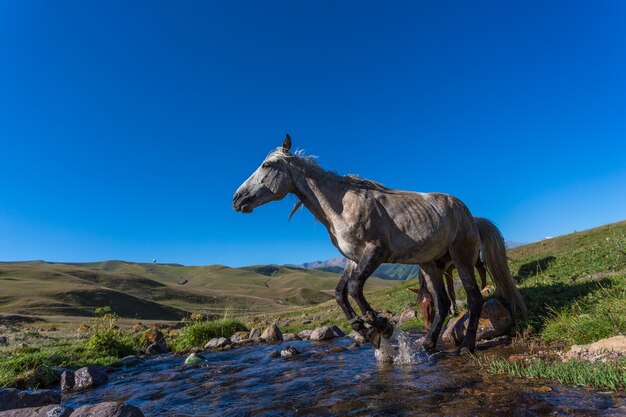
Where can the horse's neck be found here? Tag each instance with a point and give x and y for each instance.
(320, 192)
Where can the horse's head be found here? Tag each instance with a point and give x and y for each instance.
(270, 182)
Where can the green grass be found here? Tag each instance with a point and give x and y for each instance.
(597, 375)
(197, 333)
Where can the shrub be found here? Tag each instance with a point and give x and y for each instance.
(197, 332)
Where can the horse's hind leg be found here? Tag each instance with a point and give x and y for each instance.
(464, 257)
(434, 283)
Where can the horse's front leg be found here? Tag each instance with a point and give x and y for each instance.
(341, 291)
(372, 257)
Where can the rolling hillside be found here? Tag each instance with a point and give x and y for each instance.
(159, 291)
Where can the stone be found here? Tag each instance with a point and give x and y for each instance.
(108, 409)
(217, 343)
(488, 291)
(290, 337)
(495, 320)
(255, 333)
(3, 340)
(272, 334)
(601, 351)
(289, 351)
(238, 337)
(407, 313)
(11, 398)
(154, 336)
(86, 377)
(43, 411)
(130, 360)
(193, 359)
(357, 337)
(274, 354)
(156, 349)
(336, 349)
(305, 334)
(337, 331)
(322, 333)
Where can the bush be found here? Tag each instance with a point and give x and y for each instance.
(197, 332)
(107, 338)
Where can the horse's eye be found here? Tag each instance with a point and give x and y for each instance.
(266, 165)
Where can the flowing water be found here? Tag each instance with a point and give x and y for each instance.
(325, 380)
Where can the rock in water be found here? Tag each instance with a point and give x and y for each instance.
(289, 351)
(305, 334)
(255, 333)
(239, 337)
(11, 398)
(495, 320)
(193, 359)
(87, 377)
(337, 331)
(272, 334)
(156, 349)
(289, 337)
(357, 337)
(322, 333)
(217, 343)
(108, 409)
(43, 411)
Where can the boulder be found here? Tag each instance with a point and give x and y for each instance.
(156, 349)
(193, 359)
(357, 337)
(255, 333)
(108, 409)
(495, 320)
(290, 337)
(337, 331)
(603, 350)
(305, 334)
(289, 351)
(272, 334)
(87, 377)
(43, 411)
(11, 398)
(238, 337)
(407, 313)
(217, 343)
(322, 333)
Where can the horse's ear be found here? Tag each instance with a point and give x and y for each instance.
(287, 143)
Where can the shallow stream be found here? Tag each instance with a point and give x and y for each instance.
(246, 382)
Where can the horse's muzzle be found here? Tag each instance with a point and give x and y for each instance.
(241, 203)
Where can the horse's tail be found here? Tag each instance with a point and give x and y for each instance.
(494, 257)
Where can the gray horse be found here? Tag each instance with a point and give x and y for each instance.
(371, 224)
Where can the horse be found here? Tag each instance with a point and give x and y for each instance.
(371, 224)
(425, 300)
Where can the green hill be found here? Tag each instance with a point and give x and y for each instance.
(159, 291)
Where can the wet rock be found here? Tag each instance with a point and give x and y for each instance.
(156, 349)
(289, 351)
(495, 320)
(274, 354)
(217, 343)
(3, 340)
(11, 398)
(193, 359)
(603, 350)
(322, 333)
(43, 411)
(354, 345)
(337, 331)
(238, 337)
(108, 409)
(255, 333)
(87, 377)
(130, 360)
(290, 337)
(305, 334)
(407, 313)
(336, 349)
(357, 337)
(272, 334)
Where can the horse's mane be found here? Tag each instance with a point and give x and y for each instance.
(310, 160)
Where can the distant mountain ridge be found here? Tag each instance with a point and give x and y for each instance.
(385, 271)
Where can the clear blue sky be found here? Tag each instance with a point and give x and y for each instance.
(125, 127)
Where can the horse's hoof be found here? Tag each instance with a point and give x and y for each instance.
(373, 336)
(387, 331)
(357, 324)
